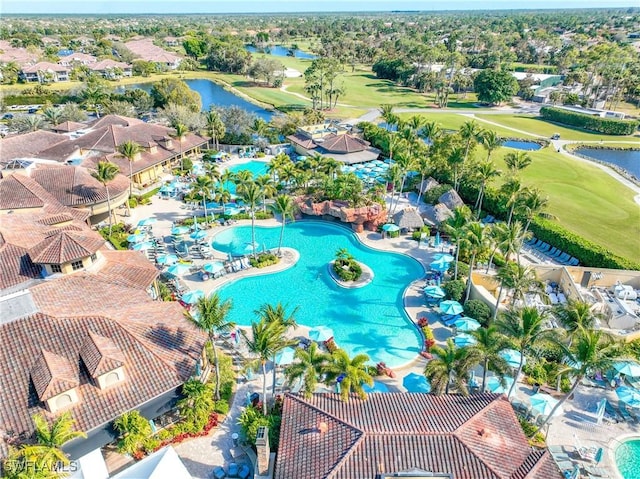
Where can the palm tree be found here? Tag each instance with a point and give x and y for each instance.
(180, 131)
(590, 351)
(450, 365)
(533, 204)
(423, 165)
(517, 278)
(525, 327)
(286, 208)
(490, 141)
(204, 186)
(222, 196)
(215, 126)
(130, 149)
(386, 112)
(513, 240)
(431, 130)
(197, 401)
(393, 176)
(576, 314)
(475, 240)
(489, 344)
(268, 188)
(517, 161)
(512, 190)
(405, 162)
(212, 317)
(251, 196)
(454, 227)
(353, 371)
(456, 159)
(310, 366)
(498, 237)
(471, 133)
(105, 174)
(53, 115)
(484, 173)
(134, 429)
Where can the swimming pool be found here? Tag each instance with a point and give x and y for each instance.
(628, 459)
(369, 320)
(257, 168)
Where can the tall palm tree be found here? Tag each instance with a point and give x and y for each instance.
(517, 161)
(251, 196)
(590, 351)
(180, 131)
(215, 126)
(484, 173)
(513, 240)
(576, 314)
(489, 344)
(456, 159)
(450, 366)
(498, 236)
(204, 186)
(130, 149)
(518, 279)
(222, 196)
(268, 188)
(471, 133)
(393, 176)
(197, 401)
(525, 327)
(310, 366)
(105, 174)
(386, 112)
(423, 166)
(353, 371)
(512, 190)
(405, 162)
(286, 208)
(533, 204)
(212, 317)
(454, 227)
(431, 130)
(475, 240)
(53, 115)
(490, 141)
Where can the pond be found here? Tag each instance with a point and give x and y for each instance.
(522, 145)
(213, 94)
(628, 160)
(280, 51)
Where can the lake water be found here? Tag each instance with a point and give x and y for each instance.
(522, 145)
(628, 160)
(280, 51)
(213, 94)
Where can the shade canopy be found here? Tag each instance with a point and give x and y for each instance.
(320, 333)
(147, 221)
(192, 297)
(285, 356)
(439, 265)
(198, 235)
(416, 383)
(136, 237)
(494, 385)
(145, 245)
(214, 267)
(512, 357)
(464, 339)
(377, 387)
(178, 269)
(629, 396)
(466, 324)
(435, 292)
(628, 368)
(390, 228)
(179, 230)
(167, 259)
(543, 404)
(451, 307)
(409, 218)
(443, 257)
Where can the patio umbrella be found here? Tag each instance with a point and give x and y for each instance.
(178, 269)
(198, 235)
(192, 297)
(464, 339)
(543, 404)
(512, 357)
(249, 247)
(167, 259)
(320, 333)
(379, 169)
(377, 387)
(494, 386)
(214, 267)
(434, 292)
(439, 265)
(443, 257)
(436, 242)
(286, 356)
(145, 245)
(466, 324)
(166, 189)
(416, 383)
(451, 307)
(136, 237)
(390, 227)
(628, 368)
(629, 396)
(179, 230)
(147, 221)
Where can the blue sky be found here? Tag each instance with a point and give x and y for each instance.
(244, 6)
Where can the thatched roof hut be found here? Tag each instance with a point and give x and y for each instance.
(408, 219)
(451, 199)
(427, 185)
(434, 215)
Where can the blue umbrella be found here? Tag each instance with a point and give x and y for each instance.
(494, 386)
(145, 245)
(451, 307)
(286, 356)
(192, 297)
(214, 267)
(628, 368)
(443, 257)
(390, 227)
(198, 235)
(250, 247)
(543, 404)
(320, 333)
(512, 357)
(439, 265)
(466, 324)
(179, 230)
(416, 383)
(147, 221)
(464, 339)
(167, 259)
(136, 237)
(435, 292)
(178, 269)
(377, 387)
(628, 396)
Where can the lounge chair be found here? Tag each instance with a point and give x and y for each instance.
(244, 472)
(564, 257)
(596, 471)
(233, 470)
(557, 254)
(218, 473)
(538, 244)
(587, 454)
(573, 261)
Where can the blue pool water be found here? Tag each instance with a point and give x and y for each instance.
(257, 168)
(628, 459)
(369, 320)
(522, 145)
(280, 51)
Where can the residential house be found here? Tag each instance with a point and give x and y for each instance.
(171, 41)
(146, 50)
(111, 69)
(77, 58)
(44, 72)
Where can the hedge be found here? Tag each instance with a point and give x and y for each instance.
(607, 126)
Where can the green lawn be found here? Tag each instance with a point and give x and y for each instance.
(453, 121)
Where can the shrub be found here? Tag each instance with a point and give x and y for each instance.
(429, 339)
(607, 126)
(133, 202)
(454, 289)
(536, 371)
(118, 236)
(347, 269)
(463, 269)
(263, 260)
(474, 308)
(221, 407)
(431, 196)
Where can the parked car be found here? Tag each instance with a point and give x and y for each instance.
(7, 116)
(556, 136)
(31, 111)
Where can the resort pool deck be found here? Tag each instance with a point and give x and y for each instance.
(370, 320)
(627, 457)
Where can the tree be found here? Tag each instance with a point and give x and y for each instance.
(238, 123)
(576, 314)
(525, 327)
(180, 131)
(518, 279)
(471, 133)
(182, 114)
(424, 167)
(490, 142)
(353, 371)
(405, 163)
(212, 317)
(517, 161)
(484, 173)
(489, 344)
(454, 227)
(495, 86)
(321, 82)
(194, 47)
(204, 186)
(512, 191)
(450, 366)
(105, 174)
(130, 150)
(475, 240)
(28, 123)
(268, 187)
(386, 112)
(134, 429)
(265, 69)
(251, 195)
(215, 126)
(533, 204)
(171, 90)
(310, 366)
(285, 207)
(53, 115)
(197, 403)
(94, 93)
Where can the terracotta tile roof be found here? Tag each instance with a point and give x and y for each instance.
(146, 50)
(56, 219)
(344, 143)
(65, 246)
(28, 145)
(52, 374)
(17, 266)
(302, 140)
(16, 194)
(107, 64)
(469, 438)
(78, 57)
(44, 66)
(109, 120)
(128, 268)
(68, 126)
(100, 355)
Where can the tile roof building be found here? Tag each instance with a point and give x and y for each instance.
(146, 50)
(44, 72)
(391, 433)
